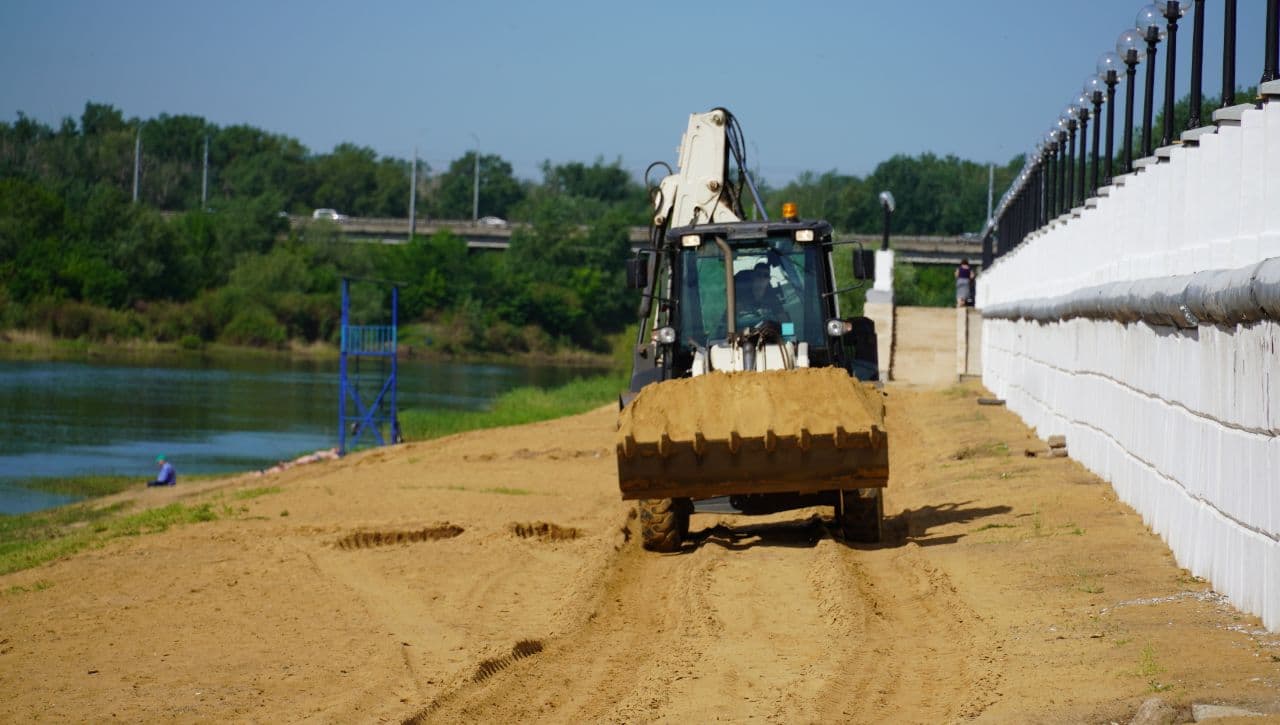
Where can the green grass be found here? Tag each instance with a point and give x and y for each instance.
(256, 492)
(83, 486)
(988, 527)
(515, 407)
(95, 486)
(28, 540)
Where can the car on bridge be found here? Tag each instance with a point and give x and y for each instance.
(492, 221)
(331, 214)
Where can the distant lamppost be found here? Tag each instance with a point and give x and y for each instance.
(475, 181)
(1072, 118)
(1051, 179)
(1094, 91)
(1148, 24)
(1271, 56)
(1127, 46)
(886, 201)
(1063, 164)
(1082, 103)
(1172, 10)
(1228, 54)
(1197, 66)
(1109, 73)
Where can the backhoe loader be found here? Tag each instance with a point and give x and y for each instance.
(746, 383)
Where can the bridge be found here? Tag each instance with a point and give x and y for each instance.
(1133, 306)
(911, 249)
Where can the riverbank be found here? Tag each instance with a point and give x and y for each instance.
(28, 345)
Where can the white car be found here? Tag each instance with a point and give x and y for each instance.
(330, 214)
(491, 221)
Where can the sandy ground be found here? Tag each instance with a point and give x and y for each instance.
(496, 576)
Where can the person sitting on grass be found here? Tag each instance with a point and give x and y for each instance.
(167, 476)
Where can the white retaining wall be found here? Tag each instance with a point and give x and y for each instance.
(1184, 423)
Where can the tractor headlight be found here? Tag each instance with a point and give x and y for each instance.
(691, 240)
(835, 327)
(804, 235)
(666, 335)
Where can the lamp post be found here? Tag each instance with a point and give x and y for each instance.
(1148, 24)
(1093, 90)
(1109, 72)
(1272, 53)
(1228, 54)
(1082, 104)
(1127, 48)
(1063, 163)
(1172, 10)
(1050, 174)
(475, 182)
(1197, 66)
(1071, 116)
(886, 201)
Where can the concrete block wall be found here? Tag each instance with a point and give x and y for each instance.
(1184, 423)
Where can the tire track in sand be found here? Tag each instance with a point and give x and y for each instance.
(769, 622)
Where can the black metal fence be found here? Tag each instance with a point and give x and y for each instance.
(1058, 177)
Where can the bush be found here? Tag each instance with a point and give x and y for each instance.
(254, 325)
(191, 342)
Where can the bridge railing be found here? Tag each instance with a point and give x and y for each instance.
(1058, 181)
(1142, 321)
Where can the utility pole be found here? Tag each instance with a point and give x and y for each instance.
(204, 178)
(413, 195)
(991, 186)
(137, 160)
(475, 184)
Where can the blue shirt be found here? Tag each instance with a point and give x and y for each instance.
(167, 475)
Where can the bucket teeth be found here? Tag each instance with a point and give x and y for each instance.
(665, 447)
(804, 441)
(699, 443)
(770, 440)
(735, 442)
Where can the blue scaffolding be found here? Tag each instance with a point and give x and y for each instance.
(367, 341)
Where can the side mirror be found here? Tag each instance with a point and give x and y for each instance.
(638, 273)
(864, 263)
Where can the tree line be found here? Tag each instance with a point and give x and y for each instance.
(79, 259)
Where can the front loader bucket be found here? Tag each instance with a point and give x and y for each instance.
(801, 431)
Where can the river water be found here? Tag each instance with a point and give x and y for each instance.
(70, 419)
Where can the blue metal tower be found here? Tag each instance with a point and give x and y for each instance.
(372, 341)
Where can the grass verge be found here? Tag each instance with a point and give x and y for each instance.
(28, 540)
(515, 407)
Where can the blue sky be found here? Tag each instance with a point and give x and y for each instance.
(816, 85)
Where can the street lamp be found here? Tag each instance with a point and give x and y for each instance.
(1228, 53)
(1082, 104)
(1148, 24)
(1051, 186)
(1172, 10)
(1071, 118)
(1062, 165)
(1109, 71)
(1197, 66)
(886, 201)
(1271, 56)
(1127, 46)
(1093, 91)
(475, 181)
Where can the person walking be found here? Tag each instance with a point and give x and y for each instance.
(964, 283)
(167, 476)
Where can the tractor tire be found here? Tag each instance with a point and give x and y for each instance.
(664, 522)
(860, 514)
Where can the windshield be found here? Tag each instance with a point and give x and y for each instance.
(774, 279)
